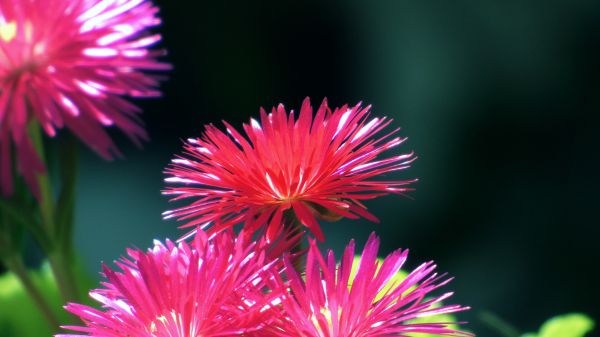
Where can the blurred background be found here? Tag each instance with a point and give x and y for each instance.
(500, 101)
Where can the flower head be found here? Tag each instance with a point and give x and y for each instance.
(321, 166)
(333, 300)
(217, 287)
(72, 63)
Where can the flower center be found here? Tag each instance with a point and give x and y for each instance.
(327, 314)
(172, 324)
(23, 54)
(8, 31)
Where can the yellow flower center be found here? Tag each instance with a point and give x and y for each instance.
(172, 324)
(8, 31)
(327, 313)
(31, 55)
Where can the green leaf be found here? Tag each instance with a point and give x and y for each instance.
(568, 325)
(20, 317)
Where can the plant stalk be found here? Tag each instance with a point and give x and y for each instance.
(61, 263)
(57, 217)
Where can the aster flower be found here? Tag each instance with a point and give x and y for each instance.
(217, 287)
(334, 301)
(72, 63)
(304, 168)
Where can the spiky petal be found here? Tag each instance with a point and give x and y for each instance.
(72, 63)
(217, 287)
(329, 302)
(321, 166)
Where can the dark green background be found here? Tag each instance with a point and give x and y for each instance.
(499, 99)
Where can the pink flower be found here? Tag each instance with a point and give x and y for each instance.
(309, 167)
(72, 63)
(329, 302)
(218, 287)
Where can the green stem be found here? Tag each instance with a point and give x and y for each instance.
(20, 217)
(61, 263)
(291, 221)
(16, 266)
(65, 208)
(47, 200)
(501, 326)
(59, 229)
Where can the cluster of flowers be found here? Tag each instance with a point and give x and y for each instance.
(222, 284)
(230, 286)
(73, 63)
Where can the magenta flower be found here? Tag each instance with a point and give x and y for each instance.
(218, 287)
(72, 63)
(328, 302)
(321, 166)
